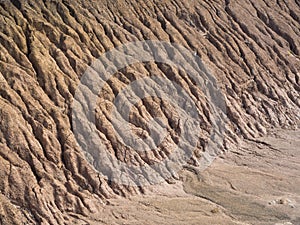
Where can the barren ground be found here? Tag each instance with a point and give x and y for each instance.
(258, 184)
(250, 47)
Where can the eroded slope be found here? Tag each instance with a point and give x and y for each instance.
(251, 47)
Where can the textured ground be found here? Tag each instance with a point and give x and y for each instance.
(258, 184)
(252, 48)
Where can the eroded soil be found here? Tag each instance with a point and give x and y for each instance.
(252, 49)
(258, 184)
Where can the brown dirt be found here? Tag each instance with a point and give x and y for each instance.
(258, 184)
(251, 47)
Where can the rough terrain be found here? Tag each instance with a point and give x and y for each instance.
(252, 48)
(259, 184)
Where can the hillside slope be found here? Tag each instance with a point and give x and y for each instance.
(251, 47)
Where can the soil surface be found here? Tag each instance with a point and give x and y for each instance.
(252, 50)
(258, 184)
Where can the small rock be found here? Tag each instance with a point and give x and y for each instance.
(124, 216)
(215, 210)
(283, 201)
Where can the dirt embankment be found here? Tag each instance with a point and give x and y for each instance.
(251, 47)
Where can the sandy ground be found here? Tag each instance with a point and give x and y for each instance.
(258, 184)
